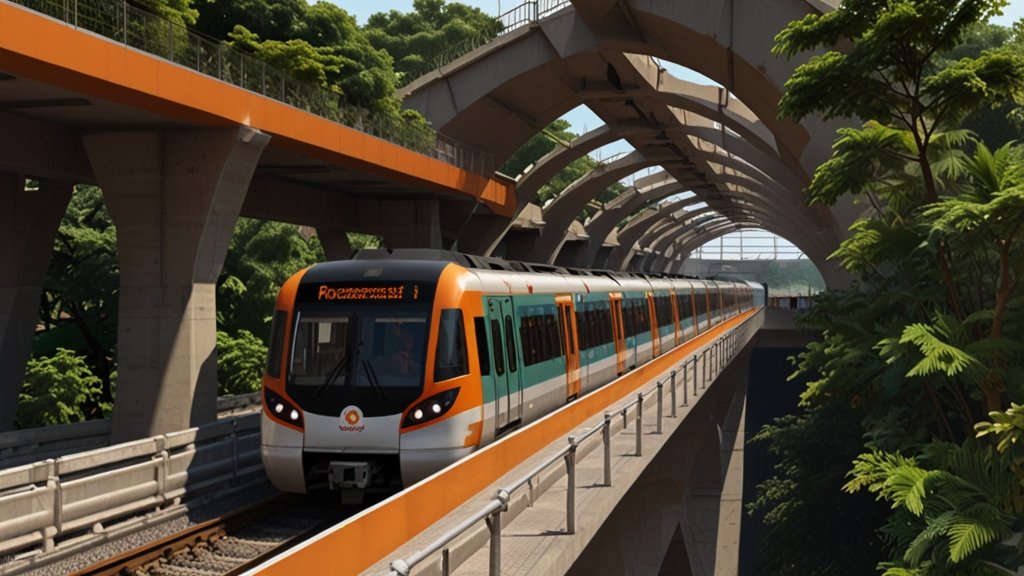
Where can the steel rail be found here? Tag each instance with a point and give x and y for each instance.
(165, 547)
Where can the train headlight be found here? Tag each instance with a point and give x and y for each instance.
(431, 408)
(280, 409)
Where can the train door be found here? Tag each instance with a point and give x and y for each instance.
(655, 332)
(567, 325)
(617, 334)
(501, 334)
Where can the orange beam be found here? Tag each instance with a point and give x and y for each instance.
(362, 541)
(36, 47)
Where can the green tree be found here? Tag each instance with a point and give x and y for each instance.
(261, 256)
(78, 308)
(924, 344)
(795, 505)
(180, 12)
(276, 20)
(988, 123)
(353, 68)
(556, 134)
(240, 361)
(432, 34)
(59, 389)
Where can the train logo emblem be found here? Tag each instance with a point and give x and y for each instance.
(351, 418)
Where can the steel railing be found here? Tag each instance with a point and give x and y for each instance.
(514, 19)
(714, 358)
(136, 28)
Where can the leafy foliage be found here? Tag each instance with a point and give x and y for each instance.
(928, 338)
(78, 308)
(261, 256)
(950, 508)
(416, 40)
(802, 506)
(59, 389)
(240, 362)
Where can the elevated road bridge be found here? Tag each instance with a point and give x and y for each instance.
(179, 155)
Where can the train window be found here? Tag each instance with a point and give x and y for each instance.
(510, 342)
(525, 340)
(450, 359)
(320, 349)
(481, 345)
(554, 331)
(581, 325)
(604, 323)
(499, 350)
(276, 343)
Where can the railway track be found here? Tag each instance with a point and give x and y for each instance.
(230, 544)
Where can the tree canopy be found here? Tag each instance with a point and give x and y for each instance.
(924, 349)
(416, 40)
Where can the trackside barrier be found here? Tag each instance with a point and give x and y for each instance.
(722, 352)
(45, 504)
(19, 447)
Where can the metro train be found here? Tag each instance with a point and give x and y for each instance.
(383, 370)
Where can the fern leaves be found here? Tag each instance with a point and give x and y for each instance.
(952, 503)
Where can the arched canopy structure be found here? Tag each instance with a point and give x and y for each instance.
(724, 143)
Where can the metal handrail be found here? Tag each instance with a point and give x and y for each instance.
(728, 346)
(522, 15)
(137, 28)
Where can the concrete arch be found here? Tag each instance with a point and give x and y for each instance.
(572, 200)
(652, 234)
(531, 76)
(601, 225)
(526, 190)
(659, 237)
(631, 234)
(560, 213)
(631, 200)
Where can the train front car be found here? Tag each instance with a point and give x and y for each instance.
(350, 398)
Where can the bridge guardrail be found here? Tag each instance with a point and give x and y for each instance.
(45, 503)
(713, 358)
(134, 27)
(19, 447)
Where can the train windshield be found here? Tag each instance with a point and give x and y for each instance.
(359, 354)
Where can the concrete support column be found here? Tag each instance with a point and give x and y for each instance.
(702, 506)
(714, 499)
(28, 225)
(174, 196)
(335, 243)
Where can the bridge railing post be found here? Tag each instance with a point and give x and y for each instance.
(672, 395)
(660, 385)
(704, 368)
(640, 424)
(570, 494)
(494, 525)
(686, 391)
(606, 435)
(694, 377)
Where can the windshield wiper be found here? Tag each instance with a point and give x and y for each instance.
(332, 375)
(371, 375)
